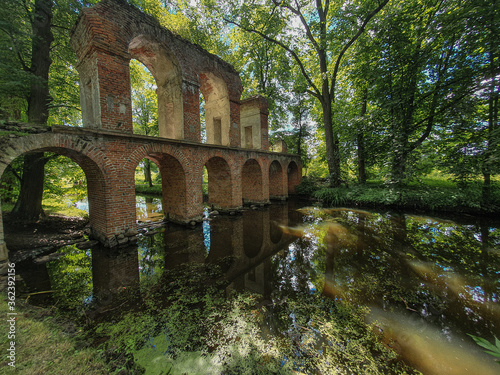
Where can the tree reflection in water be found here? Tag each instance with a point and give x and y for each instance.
(427, 281)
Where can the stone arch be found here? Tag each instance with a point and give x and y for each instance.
(173, 178)
(93, 162)
(294, 176)
(276, 185)
(217, 108)
(252, 190)
(173, 188)
(219, 183)
(166, 70)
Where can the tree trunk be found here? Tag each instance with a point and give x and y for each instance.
(29, 203)
(332, 145)
(38, 100)
(361, 141)
(147, 173)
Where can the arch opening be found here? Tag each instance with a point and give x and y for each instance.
(173, 186)
(144, 100)
(219, 183)
(75, 174)
(148, 188)
(276, 190)
(216, 109)
(251, 183)
(166, 71)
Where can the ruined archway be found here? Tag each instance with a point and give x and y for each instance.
(91, 161)
(219, 183)
(174, 194)
(276, 188)
(166, 70)
(216, 107)
(251, 182)
(144, 100)
(148, 189)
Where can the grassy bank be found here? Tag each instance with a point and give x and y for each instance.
(45, 346)
(428, 195)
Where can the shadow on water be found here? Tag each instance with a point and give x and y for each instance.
(428, 282)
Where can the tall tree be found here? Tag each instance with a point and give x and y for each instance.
(27, 28)
(317, 37)
(29, 202)
(423, 72)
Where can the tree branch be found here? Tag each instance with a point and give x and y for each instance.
(16, 50)
(16, 175)
(351, 42)
(282, 45)
(64, 106)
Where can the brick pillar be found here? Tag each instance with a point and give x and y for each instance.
(194, 191)
(234, 130)
(105, 92)
(254, 188)
(112, 210)
(277, 181)
(191, 100)
(254, 123)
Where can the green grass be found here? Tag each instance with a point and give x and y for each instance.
(42, 346)
(53, 206)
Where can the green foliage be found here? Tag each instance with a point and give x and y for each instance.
(308, 186)
(430, 196)
(144, 100)
(332, 196)
(494, 350)
(154, 190)
(71, 278)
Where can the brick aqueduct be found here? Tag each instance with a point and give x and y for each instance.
(240, 167)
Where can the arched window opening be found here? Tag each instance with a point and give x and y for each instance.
(251, 183)
(276, 190)
(203, 122)
(64, 189)
(216, 111)
(205, 184)
(219, 183)
(148, 188)
(166, 71)
(144, 100)
(63, 195)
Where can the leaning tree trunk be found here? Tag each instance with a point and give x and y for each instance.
(29, 203)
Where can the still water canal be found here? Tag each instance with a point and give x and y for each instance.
(426, 282)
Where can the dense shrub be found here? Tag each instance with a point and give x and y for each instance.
(445, 197)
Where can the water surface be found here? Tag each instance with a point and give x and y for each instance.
(427, 281)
